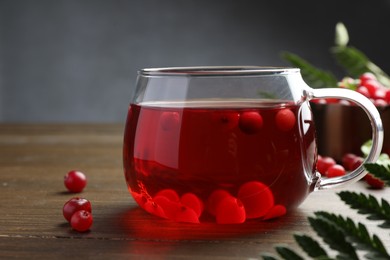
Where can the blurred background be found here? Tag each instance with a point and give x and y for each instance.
(77, 60)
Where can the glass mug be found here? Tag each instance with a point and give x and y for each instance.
(228, 144)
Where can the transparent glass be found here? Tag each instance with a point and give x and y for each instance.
(228, 144)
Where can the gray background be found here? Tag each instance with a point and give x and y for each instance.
(76, 61)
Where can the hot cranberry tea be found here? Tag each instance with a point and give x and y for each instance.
(219, 161)
(228, 144)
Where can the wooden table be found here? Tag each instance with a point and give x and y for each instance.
(33, 161)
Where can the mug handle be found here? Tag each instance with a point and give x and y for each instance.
(377, 133)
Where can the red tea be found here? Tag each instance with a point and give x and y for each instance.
(218, 160)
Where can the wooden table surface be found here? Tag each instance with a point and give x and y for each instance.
(33, 161)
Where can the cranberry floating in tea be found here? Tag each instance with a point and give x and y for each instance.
(228, 144)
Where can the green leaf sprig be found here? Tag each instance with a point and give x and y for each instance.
(351, 59)
(368, 205)
(342, 234)
(354, 61)
(352, 237)
(315, 77)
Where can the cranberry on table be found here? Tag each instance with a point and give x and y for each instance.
(75, 181)
(348, 160)
(335, 171)
(323, 164)
(356, 163)
(75, 204)
(373, 182)
(81, 220)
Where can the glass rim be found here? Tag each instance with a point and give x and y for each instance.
(217, 71)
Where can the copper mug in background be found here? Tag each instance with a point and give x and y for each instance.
(343, 129)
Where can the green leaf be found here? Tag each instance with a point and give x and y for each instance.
(357, 234)
(333, 236)
(313, 76)
(310, 246)
(378, 244)
(367, 205)
(385, 207)
(341, 37)
(383, 158)
(356, 63)
(366, 147)
(353, 60)
(380, 171)
(287, 253)
(268, 257)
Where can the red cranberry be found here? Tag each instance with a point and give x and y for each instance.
(169, 194)
(366, 76)
(256, 197)
(186, 214)
(275, 212)
(250, 122)
(380, 93)
(335, 171)
(318, 101)
(364, 91)
(75, 181)
(75, 204)
(332, 100)
(163, 207)
(348, 160)
(387, 96)
(192, 201)
(81, 220)
(285, 120)
(228, 120)
(323, 164)
(374, 182)
(154, 208)
(380, 102)
(230, 211)
(215, 199)
(372, 86)
(356, 163)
